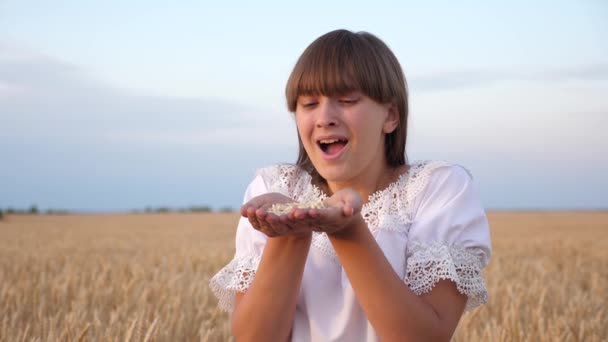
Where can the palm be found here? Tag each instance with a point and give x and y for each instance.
(257, 211)
(340, 210)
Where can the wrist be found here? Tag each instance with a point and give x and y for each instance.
(296, 238)
(350, 228)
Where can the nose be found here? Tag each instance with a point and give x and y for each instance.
(327, 114)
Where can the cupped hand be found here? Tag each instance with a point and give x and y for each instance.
(343, 208)
(257, 211)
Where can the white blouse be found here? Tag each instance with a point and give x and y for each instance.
(430, 225)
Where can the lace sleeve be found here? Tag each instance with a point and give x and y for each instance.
(449, 237)
(429, 264)
(234, 277)
(238, 274)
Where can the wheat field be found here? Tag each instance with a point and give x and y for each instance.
(144, 277)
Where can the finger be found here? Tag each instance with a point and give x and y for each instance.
(311, 219)
(266, 227)
(263, 221)
(253, 219)
(300, 214)
(292, 213)
(354, 202)
(281, 229)
(261, 214)
(348, 211)
(294, 226)
(271, 218)
(269, 232)
(262, 217)
(286, 220)
(275, 225)
(254, 203)
(312, 225)
(313, 213)
(246, 208)
(328, 213)
(316, 223)
(301, 227)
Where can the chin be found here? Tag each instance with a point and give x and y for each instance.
(333, 173)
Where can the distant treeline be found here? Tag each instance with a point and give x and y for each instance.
(33, 210)
(201, 209)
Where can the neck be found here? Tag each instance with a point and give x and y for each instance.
(374, 179)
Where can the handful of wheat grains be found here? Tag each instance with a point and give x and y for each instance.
(285, 208)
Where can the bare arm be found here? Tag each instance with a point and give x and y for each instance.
(266, 311)
(395, 312)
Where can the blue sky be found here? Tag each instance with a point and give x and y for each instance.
(114, 105)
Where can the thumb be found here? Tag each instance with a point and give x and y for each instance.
(348, 210)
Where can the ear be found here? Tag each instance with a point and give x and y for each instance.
(392, 119)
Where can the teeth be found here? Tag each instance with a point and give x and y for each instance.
(329, 141)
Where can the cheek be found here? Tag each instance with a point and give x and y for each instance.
(370, 136)
(369, 130)
(304, 129)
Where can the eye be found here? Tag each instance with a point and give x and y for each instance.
(309, 104)
(307, 101)
(348, 101)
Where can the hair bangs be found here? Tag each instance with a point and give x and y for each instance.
(331, 78)
(332, 66)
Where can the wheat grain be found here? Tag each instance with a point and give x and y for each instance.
(285, 208)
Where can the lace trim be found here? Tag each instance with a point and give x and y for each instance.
(387, 209)
(291, 181)
(426, 265)
(236, 276)
(391, 208)
(418, 178)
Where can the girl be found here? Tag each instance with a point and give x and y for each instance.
(396, 251)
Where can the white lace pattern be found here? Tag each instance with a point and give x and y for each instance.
(427, 265)
(236, 276)
(387, 209)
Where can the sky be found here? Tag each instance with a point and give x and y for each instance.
(115, 105)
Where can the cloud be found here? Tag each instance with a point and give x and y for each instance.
(45, 98)
(442, 80)
(69, 140)
(235, 136)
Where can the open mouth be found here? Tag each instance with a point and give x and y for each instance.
(332, 147)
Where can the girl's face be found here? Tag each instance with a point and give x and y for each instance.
(344, 135)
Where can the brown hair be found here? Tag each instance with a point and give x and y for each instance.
(340, 62)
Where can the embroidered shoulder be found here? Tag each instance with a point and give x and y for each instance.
(392, 208)
(291, 181)
(419, 179)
